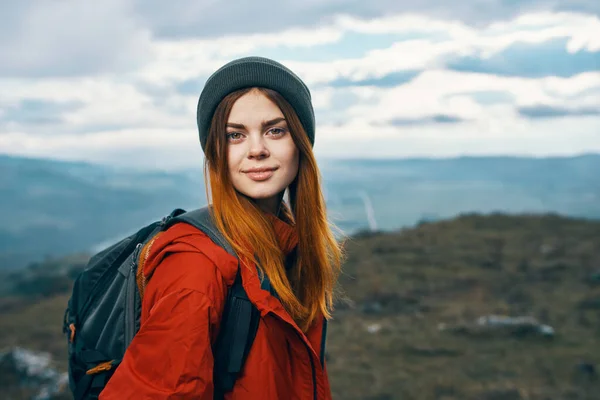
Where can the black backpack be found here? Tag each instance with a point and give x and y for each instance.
(103, 313)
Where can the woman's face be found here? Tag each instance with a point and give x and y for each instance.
(262, 157)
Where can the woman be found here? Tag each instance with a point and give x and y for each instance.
(257, 128)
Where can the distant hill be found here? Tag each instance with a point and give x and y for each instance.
(477, 307)
(53, 208)
(50, 208)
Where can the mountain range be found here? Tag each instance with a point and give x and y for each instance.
(51, 208)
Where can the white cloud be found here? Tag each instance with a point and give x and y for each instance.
(105, 103)
(188, 59)
(403, 23)
(403, 56)
(210, 19)
(442, 92)
(504, 135)
(185, 59)
(64, 38)
(131, 147)
(582, 32)
(494, 129)
(572, 86)
(141, 114)
(582, 29)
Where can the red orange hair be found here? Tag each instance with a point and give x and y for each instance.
(309, 289)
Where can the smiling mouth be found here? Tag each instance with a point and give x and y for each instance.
(260, 174)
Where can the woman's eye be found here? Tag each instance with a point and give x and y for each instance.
(277, 131)
(234, 136)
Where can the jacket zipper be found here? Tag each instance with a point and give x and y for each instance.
(314, 372)
(323, 341)
(312, 367)
(142, 260)
(312, 363)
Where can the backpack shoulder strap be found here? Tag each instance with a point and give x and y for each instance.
(201, 219)
(240, 317)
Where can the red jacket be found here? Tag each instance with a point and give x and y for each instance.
(171, 356)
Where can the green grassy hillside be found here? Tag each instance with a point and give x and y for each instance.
(406, 326)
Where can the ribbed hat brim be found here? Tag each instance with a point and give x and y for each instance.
(254, 72)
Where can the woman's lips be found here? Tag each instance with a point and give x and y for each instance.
(260, 175)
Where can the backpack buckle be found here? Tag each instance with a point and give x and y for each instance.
(176, 212)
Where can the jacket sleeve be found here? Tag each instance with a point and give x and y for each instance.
(171, 355)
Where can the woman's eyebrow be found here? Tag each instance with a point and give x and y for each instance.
(264, 124)
(272, 122)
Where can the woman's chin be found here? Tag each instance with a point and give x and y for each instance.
(261, 190)
(261, 194)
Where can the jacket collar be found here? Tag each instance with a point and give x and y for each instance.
(256, 284)
(258, 288)
(287, 236)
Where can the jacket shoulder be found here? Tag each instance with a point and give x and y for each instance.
(185, 253)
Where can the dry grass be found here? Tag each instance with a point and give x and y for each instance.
(453, 272)
(449, 272)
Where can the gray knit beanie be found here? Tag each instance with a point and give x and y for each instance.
(254, 72)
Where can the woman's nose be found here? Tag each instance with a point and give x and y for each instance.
(258, 148)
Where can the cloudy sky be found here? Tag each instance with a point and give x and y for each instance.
(117, 81)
